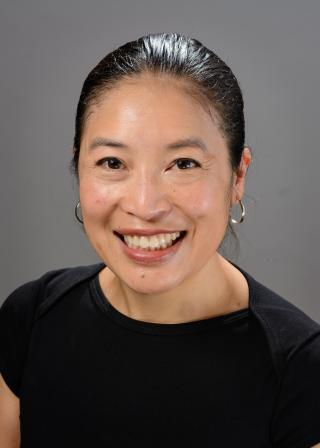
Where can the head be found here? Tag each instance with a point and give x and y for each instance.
(159, 143)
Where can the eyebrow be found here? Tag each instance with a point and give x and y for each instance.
(191, 142)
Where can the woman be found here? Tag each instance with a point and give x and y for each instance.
(166, 342)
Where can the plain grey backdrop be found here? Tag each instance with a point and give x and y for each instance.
(273, 47)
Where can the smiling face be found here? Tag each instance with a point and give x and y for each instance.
(152, 158)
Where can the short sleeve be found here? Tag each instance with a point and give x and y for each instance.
(296, 422)
(16, 317)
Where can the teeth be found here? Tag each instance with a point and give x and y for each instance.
(154, 242)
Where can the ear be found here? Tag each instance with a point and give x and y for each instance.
(238, 185)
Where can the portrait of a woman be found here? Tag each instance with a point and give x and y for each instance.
(166, 342)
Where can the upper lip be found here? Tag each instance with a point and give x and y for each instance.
(127, 231)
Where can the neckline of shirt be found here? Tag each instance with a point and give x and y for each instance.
(136, 325)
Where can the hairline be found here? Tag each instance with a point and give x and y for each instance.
(188, 86)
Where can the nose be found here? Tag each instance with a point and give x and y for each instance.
(147, 198)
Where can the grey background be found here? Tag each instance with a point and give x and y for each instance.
(273, 47)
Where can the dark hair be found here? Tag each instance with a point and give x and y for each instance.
(210, 80)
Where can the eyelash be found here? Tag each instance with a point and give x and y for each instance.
(108, 159)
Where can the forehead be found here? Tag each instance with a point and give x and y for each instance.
(152, 84)
(150, 107)
(149, 93)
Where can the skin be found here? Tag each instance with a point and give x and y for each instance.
(9, 417)
(146, 116)
(148, 190)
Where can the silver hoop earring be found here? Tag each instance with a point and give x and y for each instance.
(76, 212)
(243, 212)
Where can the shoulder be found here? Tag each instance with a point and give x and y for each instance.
(294, 345)
(32, 296)
(287, 328)
(23, 307)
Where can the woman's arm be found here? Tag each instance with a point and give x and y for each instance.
(9, 417)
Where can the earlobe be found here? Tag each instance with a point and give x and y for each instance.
(236, 193)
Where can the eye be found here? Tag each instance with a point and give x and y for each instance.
(185, 163)
(111, 163)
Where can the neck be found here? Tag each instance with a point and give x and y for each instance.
(210, 292)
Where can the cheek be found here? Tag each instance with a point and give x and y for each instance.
(205, 201)
(96, 199)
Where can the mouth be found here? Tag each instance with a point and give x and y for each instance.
(155, 245)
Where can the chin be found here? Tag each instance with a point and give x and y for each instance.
(146, 283)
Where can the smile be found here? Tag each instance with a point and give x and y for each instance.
(152, 243)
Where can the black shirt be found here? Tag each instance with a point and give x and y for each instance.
(89, 376)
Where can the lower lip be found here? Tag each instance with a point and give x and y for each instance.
(144, 256)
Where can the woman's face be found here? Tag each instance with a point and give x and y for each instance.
(151, 158)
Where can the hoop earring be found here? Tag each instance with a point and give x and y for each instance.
(243, 212)
(76, 212)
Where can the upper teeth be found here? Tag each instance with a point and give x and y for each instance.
(153, 242)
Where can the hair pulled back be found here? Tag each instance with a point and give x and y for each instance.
(181, 57)
(208, 77)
